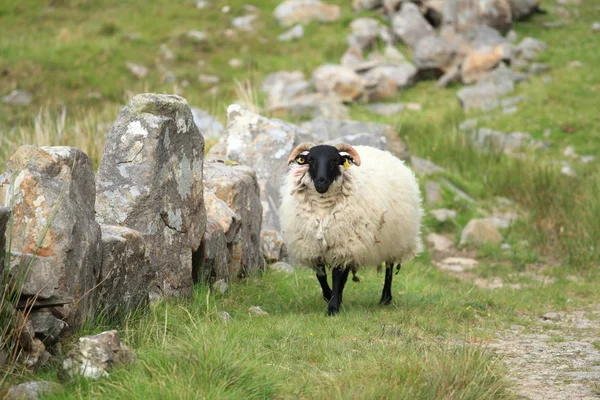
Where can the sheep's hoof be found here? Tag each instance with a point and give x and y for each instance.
(386, 301)
(332, 311)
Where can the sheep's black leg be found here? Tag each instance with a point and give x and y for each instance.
(386, 294)
(339, 277)
(322, 277)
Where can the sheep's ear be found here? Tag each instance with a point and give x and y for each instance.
(347, 151)
(347, 161)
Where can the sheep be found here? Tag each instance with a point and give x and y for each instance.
(345, 207)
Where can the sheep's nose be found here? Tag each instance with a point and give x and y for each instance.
(321, 185)
(320, 181)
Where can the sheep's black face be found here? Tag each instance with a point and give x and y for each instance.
(323, 165)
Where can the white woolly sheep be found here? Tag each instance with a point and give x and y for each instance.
(346, 207)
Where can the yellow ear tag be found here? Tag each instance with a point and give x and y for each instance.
(346, 164)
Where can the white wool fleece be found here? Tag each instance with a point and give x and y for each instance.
(370, 214)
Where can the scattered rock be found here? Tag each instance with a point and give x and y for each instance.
(463, 15)
(166, 52)
(292, 12)
(433, 193)
(425, 167)
(522, 9)
(138, 70)
(442, 214)
(256, 310)
(538, 68)
(434, 55)
(31, 390)
(208, 125)
(339, 80)
(226, 317)
(18, 97)
(46, 326)
(311, 105)
(282, 267)
(457, 264)
(213, 79)
(459, 194)
(235, 63)
(567, 169)
(551, 316)
(383, 81)
(480, 61)
(512, 36)
(202, 4)
(409, 25)
(596, 27)
(60, 259)
(358, 5)
(529, 48)
(294, 33)
(197, 36)
(150, 180)
(95, 356)
(438, 242)
(283, 86)
(244, 23)
(220, 286)
(486, 139)
(487, 93)
(364, 33)
(480, 231)
(387, 109)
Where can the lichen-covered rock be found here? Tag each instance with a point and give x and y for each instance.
(480, 231)
(150, 180)
(409, 25)
(292, 12)
(342, 81)
(264, 145)
(236, 208)
(125, 278)
(31, 390)
(95, 356)
(52, 193)
(356, 133)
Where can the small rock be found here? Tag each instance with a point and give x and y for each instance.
(169, 78)
(547, 80)
(256, 310)
(166, 53)
(282, 267)
(212, 79)
(364, 33)
(575, 64)
(220, 286)
(551, 316)
(31, 390)
(512, 36)
(529, 48)
(17, 97)
(596, 27)
(567, 170)
(95, 356)
(439, 242)
(459, 194)
(226, 317)
(505, 246)
(457, 264)
(235, 63)
(587, 159)
(225, 9)
(294, 33)
(442, 214)
(425, 167)
(292, 12)
(202, 4)
(414, 107)
(538, 68)
(47, 326)
(433, 193)
(569, 151)
(137, 69)
(386, 109)
(196, 36)
(480, 231)
(244, 23)
(340, 80)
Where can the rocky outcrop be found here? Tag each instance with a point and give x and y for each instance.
(57, 250)
(125, 277)
(231, 246)
(150, 180)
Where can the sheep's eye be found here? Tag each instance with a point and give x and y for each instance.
(300, 160)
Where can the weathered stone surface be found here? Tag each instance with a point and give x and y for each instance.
(58, 244)
(18, 97)
(292, 12)
(264, 145)
(522, 9)
(4, 218)
(529, 48)
(409, 25)
(486, 139)
(283, 86)
(363, 33)
(150, 180)
(220, 286)
(339, 80)
(487, 93)
(334, 131)
(125, 277)
(434, 55)
(282, 267)
(208, 125)
(95, 356)
(294, 33)
(31, 390)
(480, 231)
(464, 14)
(46, 326)
(234, 207)
(383, 81)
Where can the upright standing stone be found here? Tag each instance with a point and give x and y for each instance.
(57, 244)
(150, 180)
